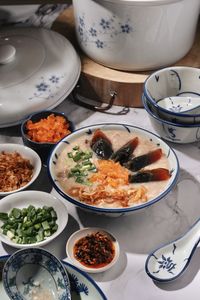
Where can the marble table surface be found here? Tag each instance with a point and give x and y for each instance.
(140, 232)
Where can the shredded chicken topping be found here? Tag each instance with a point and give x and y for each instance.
(101, 194)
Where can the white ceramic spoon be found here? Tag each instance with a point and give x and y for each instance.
(169, 261)
(181, 104)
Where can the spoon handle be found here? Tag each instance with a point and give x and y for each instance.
(192, 237)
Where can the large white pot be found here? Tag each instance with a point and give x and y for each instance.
(136, 34)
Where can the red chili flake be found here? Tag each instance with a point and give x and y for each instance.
(95, 250)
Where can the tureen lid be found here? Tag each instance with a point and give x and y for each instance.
(38, 70)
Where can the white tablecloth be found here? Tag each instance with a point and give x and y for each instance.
(140, 232)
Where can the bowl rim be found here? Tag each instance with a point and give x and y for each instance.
(89, 278)
(27, 194)
(29, 117)
(83, 232)
(112, 210)
(154, 102)
(144, 100)
(36, 171)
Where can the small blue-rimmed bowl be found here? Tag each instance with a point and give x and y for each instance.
(34, 271)
(86, 133)
(170, 131)
(170, 82)
(43, 149)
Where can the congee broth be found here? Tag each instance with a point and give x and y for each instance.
(112, 168)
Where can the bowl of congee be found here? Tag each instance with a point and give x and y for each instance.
(113, 168)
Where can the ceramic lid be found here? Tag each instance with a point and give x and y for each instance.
(142, 2)
(38, 70)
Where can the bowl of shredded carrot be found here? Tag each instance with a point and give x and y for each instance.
(42, 130)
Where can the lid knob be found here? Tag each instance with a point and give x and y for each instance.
(7, 53)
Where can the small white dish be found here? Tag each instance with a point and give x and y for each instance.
(168, 262)
(26, 153)
(40, 83)
(87, 232)
(81, 284)
(38, 199)
(181, 104)
(31, 273)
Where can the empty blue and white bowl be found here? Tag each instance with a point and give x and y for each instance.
(173, 82)
(170, 131)
(29, 273)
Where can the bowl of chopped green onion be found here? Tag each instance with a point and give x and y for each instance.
(31, 218)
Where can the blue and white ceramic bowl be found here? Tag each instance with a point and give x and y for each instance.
(33, 272)
(81, 284)
(170, 82)
(86, 132)
(173, 132)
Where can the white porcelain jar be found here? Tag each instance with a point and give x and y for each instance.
(136, 34)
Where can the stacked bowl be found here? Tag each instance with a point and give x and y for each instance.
(171, 98)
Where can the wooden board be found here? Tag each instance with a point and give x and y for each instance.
(96, 81)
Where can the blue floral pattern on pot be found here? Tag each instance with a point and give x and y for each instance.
(33, 271)
(47, 88)
(103, 31)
